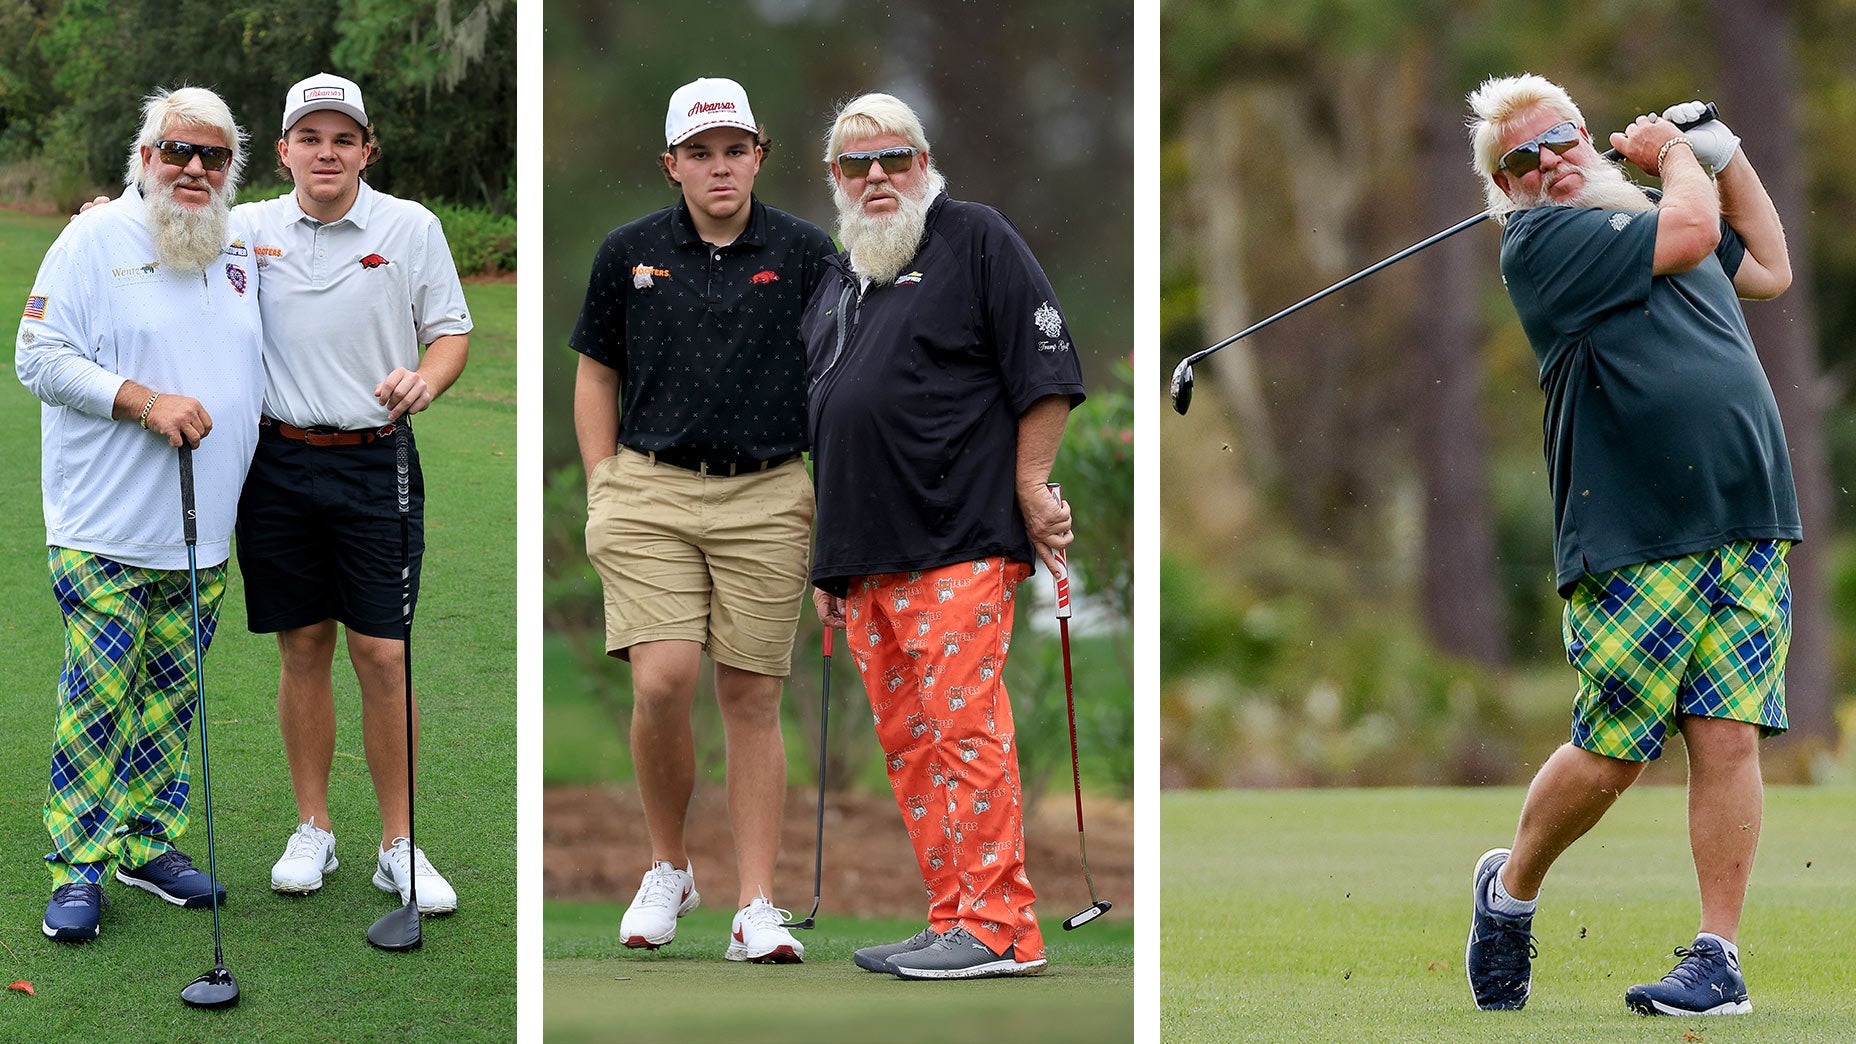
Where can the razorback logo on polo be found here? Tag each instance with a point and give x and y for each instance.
(236, 248)
(237, 277)
(374, 261)
(764, 276)
(641, 275)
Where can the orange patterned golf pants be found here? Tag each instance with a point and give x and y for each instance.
(931, 648)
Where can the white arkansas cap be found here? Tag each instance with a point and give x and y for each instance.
(705, 104)
(323, 91)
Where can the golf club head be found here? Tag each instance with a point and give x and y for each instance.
(1101, 907)
(397, 930)
(215, 989)
(811, 919)
(1182, 387)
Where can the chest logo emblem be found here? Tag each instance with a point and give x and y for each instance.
(764, 276)
(908, 278)
(374, 261)
(237, 277)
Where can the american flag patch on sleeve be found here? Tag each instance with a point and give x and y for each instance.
(35, 307)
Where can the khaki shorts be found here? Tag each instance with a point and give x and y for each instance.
(717, 560)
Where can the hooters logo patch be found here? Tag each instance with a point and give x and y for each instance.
(236, 276)
(374, 261)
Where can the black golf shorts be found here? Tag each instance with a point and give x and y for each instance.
(319, 535)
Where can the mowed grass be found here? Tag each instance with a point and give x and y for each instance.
(305, 969)
(1342, 916)
(597, 990)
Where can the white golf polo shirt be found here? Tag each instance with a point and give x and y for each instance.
(102, 311)
(348, 301)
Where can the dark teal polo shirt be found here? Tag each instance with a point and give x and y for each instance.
(1661, 433)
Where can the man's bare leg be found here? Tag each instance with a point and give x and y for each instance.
(756, 773)
(1569, 795)
(1725, 800)
(380, 667)
(306, 716)
(663, 749)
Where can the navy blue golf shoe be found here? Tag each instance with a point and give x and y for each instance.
(1707, 981)
(75, 913)
(172, 876)
(1499, 958)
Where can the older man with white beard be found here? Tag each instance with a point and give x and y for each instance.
(942, 375)
(141, 335)
(1672, 498)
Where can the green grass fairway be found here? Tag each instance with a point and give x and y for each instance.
(596, 990)
(305, 970)
(1342, 916)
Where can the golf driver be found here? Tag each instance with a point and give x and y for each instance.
(1097, 907)
(216, 988)
(1182, 374)
(824, 721)
(400, 929)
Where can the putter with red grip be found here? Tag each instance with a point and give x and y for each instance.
(1097, 907)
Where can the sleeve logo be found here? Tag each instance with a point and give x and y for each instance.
(1048, 319)
(35, 307)
(1619, 220)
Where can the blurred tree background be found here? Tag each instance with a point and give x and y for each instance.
(1357, 547)
(1028, 108)
(438, 77)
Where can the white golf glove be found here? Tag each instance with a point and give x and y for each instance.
(1713, 143)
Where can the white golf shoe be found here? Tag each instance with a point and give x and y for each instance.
(394, 874)
(760, 935)
(665, 894)
(309, 855)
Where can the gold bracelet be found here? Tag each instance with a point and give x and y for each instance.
(1670, 144)
(149, 405)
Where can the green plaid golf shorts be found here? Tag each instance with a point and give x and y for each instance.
(119, 772)
(1704, 635)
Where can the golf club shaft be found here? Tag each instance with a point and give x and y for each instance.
(824, 741)
(1062, 580)
(403, 475)
(190, 530)
(1182, 372)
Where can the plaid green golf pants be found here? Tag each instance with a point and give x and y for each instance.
(119, 772)
(1704, 634)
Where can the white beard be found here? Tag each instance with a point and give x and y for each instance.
(881, 244)
(1606, 188)
(186, 240)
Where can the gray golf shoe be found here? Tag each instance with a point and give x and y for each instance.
(876, 958)
(958, 955)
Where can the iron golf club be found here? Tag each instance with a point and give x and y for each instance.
(1182, 374)
(1097, 907)
(400, 929)
(824, 733)
(216, 988)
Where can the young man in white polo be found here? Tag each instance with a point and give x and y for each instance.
(356, 282)
(689, 405)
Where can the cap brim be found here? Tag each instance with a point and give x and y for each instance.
(295, 116)
(693, 131)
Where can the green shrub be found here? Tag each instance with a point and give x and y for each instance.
(482, 243)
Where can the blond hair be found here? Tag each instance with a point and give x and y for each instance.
(166, 111)
(1500, 103)
(873, 114)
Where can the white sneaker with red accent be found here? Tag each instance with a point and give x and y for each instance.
(665, 894)
(760, 935)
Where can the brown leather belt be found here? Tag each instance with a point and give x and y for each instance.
(726, 468)
(326, 436)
